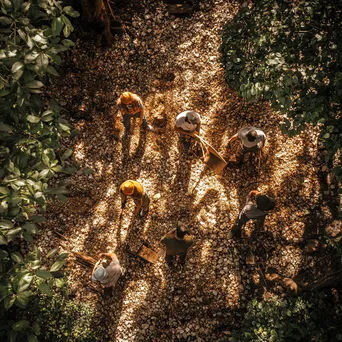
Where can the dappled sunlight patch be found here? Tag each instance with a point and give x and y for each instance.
(79, 152)
(100, 167)
(135, 295)
(80, 238)
(233, 288)
(205, 251)
(294, 230)
(287, 258)
(98, 210)
(112, 191)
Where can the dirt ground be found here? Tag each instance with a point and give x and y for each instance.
(173, 64)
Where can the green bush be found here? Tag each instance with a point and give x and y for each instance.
(289, 53)
(63, 319)
(32, 35)
(53, 316)
(291, 319)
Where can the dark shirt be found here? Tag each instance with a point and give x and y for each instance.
(175, 246)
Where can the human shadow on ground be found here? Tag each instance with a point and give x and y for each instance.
(183, 174)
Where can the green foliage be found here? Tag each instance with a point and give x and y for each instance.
(51, 316)
(25, 278)
(32, 35)
(63, 319)
(290, 54)
(294, 319)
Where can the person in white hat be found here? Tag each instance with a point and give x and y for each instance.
(186, 123)
(107, 271)
(251, 139)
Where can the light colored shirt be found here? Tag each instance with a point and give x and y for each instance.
(242, 134)
(113, 273)
(193, 118)
(251, 210)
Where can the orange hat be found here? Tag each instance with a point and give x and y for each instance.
(126, 97)
(127, 188)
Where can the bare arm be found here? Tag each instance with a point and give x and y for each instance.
(252, 193)
(108, 255)
(262, 144)
(233, 138)
(180, 130)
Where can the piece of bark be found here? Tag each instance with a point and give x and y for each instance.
(84, 259)
(273, 277)
(291, 286)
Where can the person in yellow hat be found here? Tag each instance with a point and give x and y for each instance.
(131, 106)
(135, 190)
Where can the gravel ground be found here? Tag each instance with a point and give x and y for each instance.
(173, 64)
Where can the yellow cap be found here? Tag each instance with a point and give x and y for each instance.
(126, 97)
(127, 188)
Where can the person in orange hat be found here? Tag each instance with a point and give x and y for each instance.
(131, 106)
(137, 192)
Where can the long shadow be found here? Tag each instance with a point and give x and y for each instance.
(126, 158)
(183, 174)
(140, 149)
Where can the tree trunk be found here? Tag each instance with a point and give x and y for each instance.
(99, 11)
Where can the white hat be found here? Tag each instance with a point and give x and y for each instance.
(192, 116)
(99, 274)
